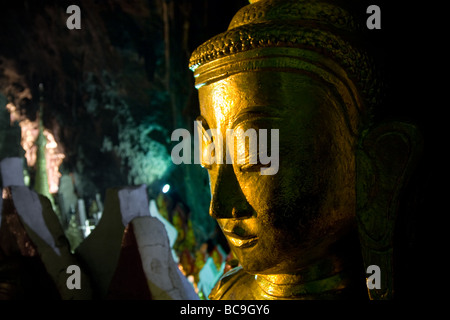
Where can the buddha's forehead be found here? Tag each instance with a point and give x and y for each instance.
(276, 92)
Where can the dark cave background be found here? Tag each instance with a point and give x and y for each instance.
(116, 89)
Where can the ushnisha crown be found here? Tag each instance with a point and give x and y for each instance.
(311, 35)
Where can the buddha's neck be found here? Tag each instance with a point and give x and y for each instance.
(336, 275)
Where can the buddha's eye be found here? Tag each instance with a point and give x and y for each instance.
(249, 167)
(207, 155)
(253, 154)
(206, 143)
(242, 145)
(252, 167)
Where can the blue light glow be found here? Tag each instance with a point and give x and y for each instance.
(166, 188)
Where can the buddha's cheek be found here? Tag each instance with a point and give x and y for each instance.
(285, 206)
(263, 194)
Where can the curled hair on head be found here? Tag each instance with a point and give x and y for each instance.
(306, 34)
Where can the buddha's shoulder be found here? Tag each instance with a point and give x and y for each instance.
(235, 284)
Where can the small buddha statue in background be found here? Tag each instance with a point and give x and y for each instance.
(310, 230)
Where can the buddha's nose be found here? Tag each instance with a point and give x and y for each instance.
(228, 200)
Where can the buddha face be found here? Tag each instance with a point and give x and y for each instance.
(280, 223)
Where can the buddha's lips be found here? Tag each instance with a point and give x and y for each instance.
(240, 241)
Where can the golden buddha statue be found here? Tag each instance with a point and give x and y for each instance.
(310, 230)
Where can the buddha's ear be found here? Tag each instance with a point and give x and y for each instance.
(385, 158)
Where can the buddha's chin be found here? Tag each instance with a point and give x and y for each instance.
(252, 261)
(258, 258)
(257, 269)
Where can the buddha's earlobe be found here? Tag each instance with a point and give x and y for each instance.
(386, 157)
